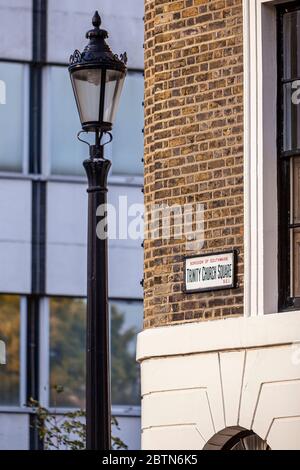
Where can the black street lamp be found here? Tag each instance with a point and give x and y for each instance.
(97, 77)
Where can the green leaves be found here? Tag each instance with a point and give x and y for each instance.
(65, 431)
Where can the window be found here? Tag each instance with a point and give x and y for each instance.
(66, 154)
(67, 352)
(10, 334)
(289, 157)
(126, 323)
(13, 110)
(128, 143)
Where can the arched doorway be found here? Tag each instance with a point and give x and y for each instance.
(236, 438)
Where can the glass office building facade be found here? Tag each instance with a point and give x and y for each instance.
(43, 210)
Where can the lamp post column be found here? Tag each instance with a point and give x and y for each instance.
(97, 77)
(98, 400)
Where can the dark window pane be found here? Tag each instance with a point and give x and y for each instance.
(291, 132)
(67, 352)
(10, 334)
(289, 168)
(295, 190)
(295, 259)
(126, 323)
(291, 44)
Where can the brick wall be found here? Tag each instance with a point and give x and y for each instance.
(193, 145)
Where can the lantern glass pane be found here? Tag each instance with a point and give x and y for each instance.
(87, 89)
(113, 87)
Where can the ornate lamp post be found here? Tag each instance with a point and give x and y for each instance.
(97, 77)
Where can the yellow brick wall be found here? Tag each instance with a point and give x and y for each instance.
(193, 145)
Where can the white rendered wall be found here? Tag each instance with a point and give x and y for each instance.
(200, 378)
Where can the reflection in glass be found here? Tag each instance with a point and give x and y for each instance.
(126, 323)
(114, 81)
(291, 44)
(10, 334)
(291, 118)
(12, 78)
(67, 352)
(87, 87)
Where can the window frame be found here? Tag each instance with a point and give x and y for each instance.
(286, 226)
(261, 234)
(260, 158)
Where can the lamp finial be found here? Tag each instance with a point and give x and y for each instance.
(96, 20)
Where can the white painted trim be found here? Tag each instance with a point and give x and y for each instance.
(260, 157)
(247, 151)
(221, 335)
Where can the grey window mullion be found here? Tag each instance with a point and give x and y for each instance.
(38, 215)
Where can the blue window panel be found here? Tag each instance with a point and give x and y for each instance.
(12, 114)
(66, 152)
(128, 142)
